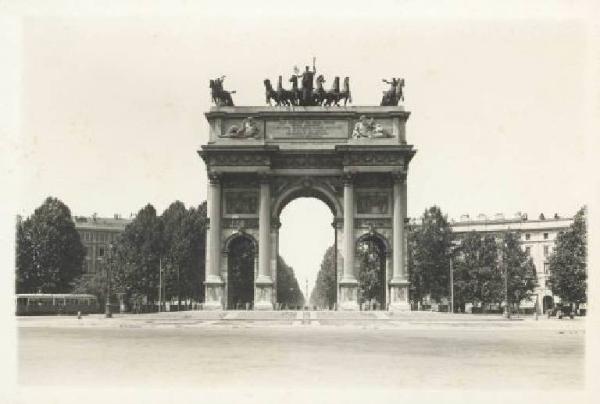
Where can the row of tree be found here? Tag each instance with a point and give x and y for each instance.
(487, 268)
(50, 257)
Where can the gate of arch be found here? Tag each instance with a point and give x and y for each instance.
(354, 159)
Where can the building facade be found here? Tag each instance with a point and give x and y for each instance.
(97, 234)
(538, 238)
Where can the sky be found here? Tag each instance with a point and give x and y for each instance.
(109, 101)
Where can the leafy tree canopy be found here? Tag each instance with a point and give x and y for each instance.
(49, 251)
(429, 263)
(568, 263)
(323, 294)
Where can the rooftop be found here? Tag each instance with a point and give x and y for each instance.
(95, 222)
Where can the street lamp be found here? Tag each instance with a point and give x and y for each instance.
(505, 267)
(455, 247)
(107, 310)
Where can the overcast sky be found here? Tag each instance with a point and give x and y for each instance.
(111, 101)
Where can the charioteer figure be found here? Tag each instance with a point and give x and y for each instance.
(307, 84)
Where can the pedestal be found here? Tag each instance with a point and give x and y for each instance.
(213, 297)
(263, 295)
(399, 295)
(348, 295)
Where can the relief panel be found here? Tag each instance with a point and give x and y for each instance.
(241, 202)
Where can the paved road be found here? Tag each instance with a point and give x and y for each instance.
(458, 355)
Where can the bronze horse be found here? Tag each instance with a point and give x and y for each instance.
(333, 96)
(319, 94)
(394, 94)
(345, 94)
(271, 94)
(295, 92)
(219, 96)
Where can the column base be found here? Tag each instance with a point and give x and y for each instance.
(399, 295)
(349, 295)
(213, 296)
(263, 295)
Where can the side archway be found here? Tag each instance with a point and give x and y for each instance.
(373, 252)
(240, 253)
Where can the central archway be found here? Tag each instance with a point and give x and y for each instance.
(305, 237)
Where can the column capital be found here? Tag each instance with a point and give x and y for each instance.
(214, 178)
(399, 175)
(264, 178)
(348, 178)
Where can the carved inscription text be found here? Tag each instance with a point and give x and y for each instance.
(307, 128)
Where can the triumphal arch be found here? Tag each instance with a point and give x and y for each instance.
(354, 159)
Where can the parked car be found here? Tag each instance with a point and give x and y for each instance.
(560, 312)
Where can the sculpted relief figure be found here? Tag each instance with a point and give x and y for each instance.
(248, 129)
(367, 128)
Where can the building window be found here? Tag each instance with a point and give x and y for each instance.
(528, 250)
(101, 252)
(545, 236)
(546, 267)
(546, 250)
(88, 251)
(527, 236)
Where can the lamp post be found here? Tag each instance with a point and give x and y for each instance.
(451, 287)
(454, 249)
(160, 273)
(504, 266)
(107, 310)
(507, 309)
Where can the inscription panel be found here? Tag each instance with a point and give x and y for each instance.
(307, 129)
(241, 202)
(373, 203)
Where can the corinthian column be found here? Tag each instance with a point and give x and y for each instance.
(348, 284)
(213, 298)
(399, 284)
(264, 281)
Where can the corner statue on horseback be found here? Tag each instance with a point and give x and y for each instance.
(394, 94)
(219, 96)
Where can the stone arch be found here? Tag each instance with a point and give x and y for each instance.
(239, 233)
(378, 236)
(307, 188)
(386, 268)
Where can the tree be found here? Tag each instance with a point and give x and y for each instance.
(289, 292)
(184, 237)
(518, 266)
(477, 278)
(568, 266)
(324, 292)
(49, 251)
(429, 259)
(137, 257)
